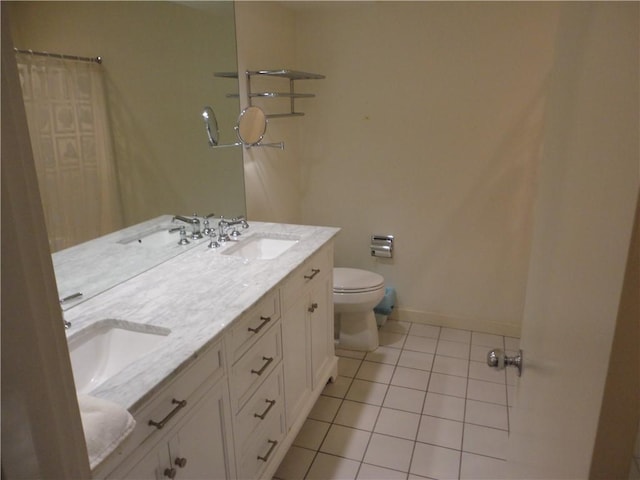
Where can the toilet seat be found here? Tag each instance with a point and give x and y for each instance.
(353, 280)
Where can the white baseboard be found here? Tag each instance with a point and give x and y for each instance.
(474, 324)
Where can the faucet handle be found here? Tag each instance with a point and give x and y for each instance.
(212, 235)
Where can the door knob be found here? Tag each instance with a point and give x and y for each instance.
(496, 358)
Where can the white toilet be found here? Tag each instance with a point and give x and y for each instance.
(355, 293)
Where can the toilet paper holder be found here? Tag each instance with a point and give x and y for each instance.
(381, 246)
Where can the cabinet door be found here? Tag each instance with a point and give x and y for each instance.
(297, 367)
(321, 326)
(152, 465)
(200, 448)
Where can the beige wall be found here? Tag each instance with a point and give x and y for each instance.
(159, 62)
(427, 127)
(266, 41)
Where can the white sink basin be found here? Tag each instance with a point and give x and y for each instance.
(105, 348)
(262, 246)
(156, 237)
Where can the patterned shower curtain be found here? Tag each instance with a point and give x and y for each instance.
(72, 148)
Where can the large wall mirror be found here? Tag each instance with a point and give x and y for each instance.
(159, 60)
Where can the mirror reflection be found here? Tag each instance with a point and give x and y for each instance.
(211, 126)
(159, 60)
(252, 125)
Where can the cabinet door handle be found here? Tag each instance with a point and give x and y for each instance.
(264, 367)
(265, 320)
(314, 272)
(180, 404)
(313, 307)
(271, 448)
(181, 462)
(170, 472)
(264, 414)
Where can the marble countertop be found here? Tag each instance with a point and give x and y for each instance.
(197, 295)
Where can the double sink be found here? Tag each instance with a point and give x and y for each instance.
(106, 347)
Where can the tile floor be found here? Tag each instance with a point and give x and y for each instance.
(423, 405)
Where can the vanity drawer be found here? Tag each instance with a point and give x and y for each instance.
(306, 276)
(262, 447)
(255, 366)
(171, 403)
(254, 324)
(265, 404)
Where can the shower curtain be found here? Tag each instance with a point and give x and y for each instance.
(72, 148)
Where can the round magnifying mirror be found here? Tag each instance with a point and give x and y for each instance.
(211, 126)
(251, 126)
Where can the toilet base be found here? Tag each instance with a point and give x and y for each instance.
(358, 331)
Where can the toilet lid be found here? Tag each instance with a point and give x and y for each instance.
(354, 280)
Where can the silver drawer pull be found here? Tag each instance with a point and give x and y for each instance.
(271, 449)
(265, 320)
(180, 404)
(314, 272)
(264, 367)
(264, 414)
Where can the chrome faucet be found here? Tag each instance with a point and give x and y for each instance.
(195, 225)
(224, 225)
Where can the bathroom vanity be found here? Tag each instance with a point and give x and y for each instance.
(250, 348)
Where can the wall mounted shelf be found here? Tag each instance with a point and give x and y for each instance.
(291, 75)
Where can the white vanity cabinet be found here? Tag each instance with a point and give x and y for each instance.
(307, 326)
(184, 431)
(256, 384)
(247, 394)
(196, 448)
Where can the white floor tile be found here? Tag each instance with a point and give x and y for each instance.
(486, 414)
(396, 326)
(342, 352)
(384, 354)
(295, 464)
(511, 395)
(389, 452)
(357, 415)
(485, 441)
(347, 367)
(372, 472)
(311, 434)
(453, 349)
(487, 392)
(397, 423)
(337, 388)
(512, 376)
(455, 335)
(422, 330)
(405, 399)
(441, 432)
(424, 405)
(367, 392)
(488, 340)
(444, 406)
(435, 462)
(410, 378)
(325, 408)
(345, 442)
(450, 366)
(479, 354)
(448, 385)
(421, 344)
(391, 339)
(476, 467)
(419, 360)
(375, 372)
(329, 467)
(482, 371)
